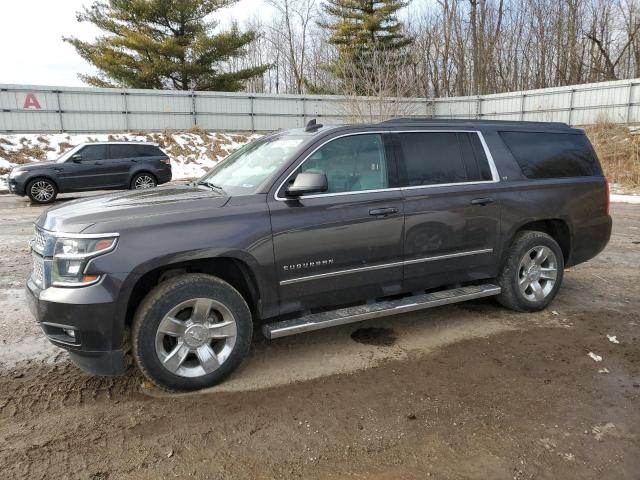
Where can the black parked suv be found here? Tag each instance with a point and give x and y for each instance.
(93, 166)
(315, 227)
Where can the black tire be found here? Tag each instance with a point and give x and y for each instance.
(514, 274)
(170, 295)
(41, 190)
(147, 178)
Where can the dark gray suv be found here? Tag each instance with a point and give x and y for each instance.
(315, 227)
(93, 166)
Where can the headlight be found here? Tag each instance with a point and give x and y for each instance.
(71, 256)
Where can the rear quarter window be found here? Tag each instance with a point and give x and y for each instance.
(148, 151)
(552, 155)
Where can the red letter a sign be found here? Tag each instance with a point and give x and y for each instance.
(31, 101)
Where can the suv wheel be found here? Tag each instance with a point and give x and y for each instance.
(532, 272)
(143, 181)
(190, 332)
(42, 190)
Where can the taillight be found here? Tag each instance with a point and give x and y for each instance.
(166, 161)
(608, 194)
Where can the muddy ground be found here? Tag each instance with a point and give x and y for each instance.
(466, 391)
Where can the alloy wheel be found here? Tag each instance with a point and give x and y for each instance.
(537, 273)
(196, 337)
(144, 181)
(42, 191)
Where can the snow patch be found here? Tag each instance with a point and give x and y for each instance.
(617, 198)
(613, 338)
(594, 357)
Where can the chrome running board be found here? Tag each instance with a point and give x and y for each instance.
(317, 321)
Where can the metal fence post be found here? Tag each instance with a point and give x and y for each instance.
(430, 107)
(571, 106)
(629, 102)
(304, 111)
(125, 111)
(253, 123)
(522, 105)
(194, 112)
(478, 107)
(59, 110)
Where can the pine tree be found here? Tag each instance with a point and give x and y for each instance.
(163, 44)
(362, 28)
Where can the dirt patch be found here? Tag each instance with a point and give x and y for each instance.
(382, 337)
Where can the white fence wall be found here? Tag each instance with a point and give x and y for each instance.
(31, 108)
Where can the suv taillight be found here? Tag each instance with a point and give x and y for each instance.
(608, 194)
(166, 161)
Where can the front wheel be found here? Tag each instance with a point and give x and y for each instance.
(532, 272)
(142, 181)
(42, 190)
(190, 332)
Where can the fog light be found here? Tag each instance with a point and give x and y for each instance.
(70, 332)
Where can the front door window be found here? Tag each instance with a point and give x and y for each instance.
(351, 164)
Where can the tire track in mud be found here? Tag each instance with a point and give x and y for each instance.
(36, 390)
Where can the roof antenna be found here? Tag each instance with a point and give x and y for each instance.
(312, 126)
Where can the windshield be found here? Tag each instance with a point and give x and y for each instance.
(67, 155)
(244, 171)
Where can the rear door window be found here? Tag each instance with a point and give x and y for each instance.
(93, 152)
(552, 155)
(351, 164)
(121, 151)
(434, 158)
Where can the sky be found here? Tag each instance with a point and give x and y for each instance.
(31, 48)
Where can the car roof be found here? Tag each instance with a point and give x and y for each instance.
(133, 142)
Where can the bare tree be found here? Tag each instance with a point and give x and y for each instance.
(377, 91)
(463, 47)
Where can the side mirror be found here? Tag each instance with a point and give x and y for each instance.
(77, 158)
(305, 183)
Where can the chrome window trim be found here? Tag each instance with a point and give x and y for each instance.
(385, 265)
(494, 171)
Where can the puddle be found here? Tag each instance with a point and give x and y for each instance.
(381, 337)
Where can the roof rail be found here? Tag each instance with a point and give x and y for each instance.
(470, 121)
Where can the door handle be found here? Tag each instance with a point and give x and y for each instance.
(383, 212)
(98, 163)
(482, 201)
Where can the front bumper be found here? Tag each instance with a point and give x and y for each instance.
(16, 186)
(82, 321)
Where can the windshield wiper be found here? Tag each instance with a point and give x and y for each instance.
(213, 186)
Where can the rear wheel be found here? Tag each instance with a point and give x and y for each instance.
(190, 332)
(142, 181)
(42, 190)
(532, 273)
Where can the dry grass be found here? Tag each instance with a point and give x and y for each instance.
(26, 154)
(618, 149)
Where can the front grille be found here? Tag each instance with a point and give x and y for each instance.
(37, 272)
(43, 242)
(39, 241)
(42, 245)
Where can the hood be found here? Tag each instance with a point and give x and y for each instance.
(33, 165)
(126, 207)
